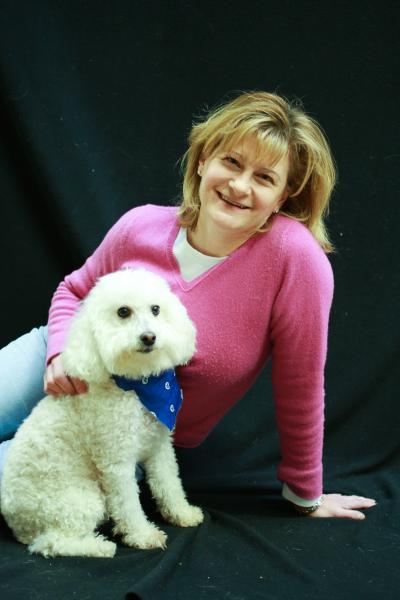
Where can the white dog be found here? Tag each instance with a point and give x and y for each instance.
(72, 463)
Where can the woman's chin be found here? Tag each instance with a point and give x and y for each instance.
(231, 217)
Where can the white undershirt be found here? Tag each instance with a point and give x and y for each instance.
(193, 263)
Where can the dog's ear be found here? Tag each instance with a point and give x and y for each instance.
(184, 332)
(81, 357)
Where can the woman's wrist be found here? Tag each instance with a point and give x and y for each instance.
(307, 510)
(289, 495)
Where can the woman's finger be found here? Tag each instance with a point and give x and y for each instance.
(352, 514)
(354, 502)
(60, 387)
(57, 382)
(80, 386)
(65, 385)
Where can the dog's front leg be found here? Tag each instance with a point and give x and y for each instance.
(123, 506)
(162, 475)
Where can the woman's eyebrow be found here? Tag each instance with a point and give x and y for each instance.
(261, 167)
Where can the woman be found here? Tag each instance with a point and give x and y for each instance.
(245, 252)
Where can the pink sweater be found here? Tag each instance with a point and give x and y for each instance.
(270, 298)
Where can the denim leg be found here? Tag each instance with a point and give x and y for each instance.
(4, 448)
(22, 365)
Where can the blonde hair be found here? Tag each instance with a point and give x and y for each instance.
(280, 127)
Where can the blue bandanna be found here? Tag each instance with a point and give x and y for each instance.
(161, 394)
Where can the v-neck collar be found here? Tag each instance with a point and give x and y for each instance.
(188, 285)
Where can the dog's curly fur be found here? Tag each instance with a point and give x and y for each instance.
(71, 465)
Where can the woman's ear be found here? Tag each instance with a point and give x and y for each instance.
(284, 197)
(201, 165)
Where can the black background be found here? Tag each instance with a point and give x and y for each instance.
(97, 99)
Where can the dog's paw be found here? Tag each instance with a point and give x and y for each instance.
(107, 549)
(151, 537)
(55, 543)
(187, 516)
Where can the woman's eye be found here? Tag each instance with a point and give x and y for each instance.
(124, 312)
(266, 177)
(232, 160)
(155, 309)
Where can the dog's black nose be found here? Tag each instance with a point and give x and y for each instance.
(148, 338)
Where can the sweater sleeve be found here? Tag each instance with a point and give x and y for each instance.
(299, 331)
(70, 292)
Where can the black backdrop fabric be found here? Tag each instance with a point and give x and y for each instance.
(97, 99)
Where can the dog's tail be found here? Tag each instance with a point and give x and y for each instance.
(58, 543)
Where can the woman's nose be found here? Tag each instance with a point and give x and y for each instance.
(240, 184)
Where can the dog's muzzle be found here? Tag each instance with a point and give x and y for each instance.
(147, 340)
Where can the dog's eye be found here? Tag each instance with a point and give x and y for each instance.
(155, 309)
(124, 312)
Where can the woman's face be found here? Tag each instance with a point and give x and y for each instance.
(238, 192)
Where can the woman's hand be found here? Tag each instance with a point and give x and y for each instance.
(57, 383)
(343, 507)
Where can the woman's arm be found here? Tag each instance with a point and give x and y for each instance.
(299, 335)
(299, 332)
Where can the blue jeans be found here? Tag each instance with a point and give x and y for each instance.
(22, 366)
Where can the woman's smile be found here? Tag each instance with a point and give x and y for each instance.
(231, 202)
